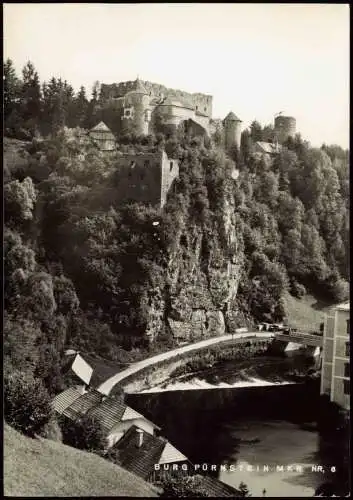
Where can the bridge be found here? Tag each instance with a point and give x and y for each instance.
(307, 339)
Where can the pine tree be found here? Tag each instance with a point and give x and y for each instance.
(12, 119)
(30, 98)
(91, 117)
(81, 108)
(11, 88)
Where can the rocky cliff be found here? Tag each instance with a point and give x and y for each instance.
(203, 268)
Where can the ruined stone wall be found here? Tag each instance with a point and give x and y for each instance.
(138, 178)
(145, 177)
(169, 172)
(198, 101)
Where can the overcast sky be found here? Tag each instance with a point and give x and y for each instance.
(255, 59)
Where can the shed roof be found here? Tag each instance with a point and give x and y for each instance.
(217, 488)
(141, 460)
(111, 412)
(232, 117)
(65, 399)
(84, 403)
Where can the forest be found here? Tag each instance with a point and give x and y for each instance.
(81, 269)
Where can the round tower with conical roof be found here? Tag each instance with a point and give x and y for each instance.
(232, 131)
(136, 113)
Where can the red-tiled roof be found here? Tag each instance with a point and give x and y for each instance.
(65, 399)
(141, 460)
(84, 403)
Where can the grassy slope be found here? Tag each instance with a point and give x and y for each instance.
(305, 313)
(47, 468)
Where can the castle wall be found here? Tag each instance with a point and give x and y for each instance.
(145, 177)
(139, 178)
(204, 121)
(198, 101)
(232, 131)
(170, 171)
(134, 117)
(285, 126)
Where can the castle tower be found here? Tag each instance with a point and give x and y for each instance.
(136, 113)
(285, 126)
(232, 131)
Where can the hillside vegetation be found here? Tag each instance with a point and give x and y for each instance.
(306, 312)
(43, 468)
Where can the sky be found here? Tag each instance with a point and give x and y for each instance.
(255, 59)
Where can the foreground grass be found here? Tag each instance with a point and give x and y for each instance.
(44, 468)
(305, 313)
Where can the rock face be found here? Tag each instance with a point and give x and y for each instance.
(203, 274)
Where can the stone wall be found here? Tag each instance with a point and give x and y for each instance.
(201, 102)
(169, 172)
(145, 177)
(139, 178)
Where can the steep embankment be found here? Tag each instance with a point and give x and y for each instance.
(305, 312)
(46, 468)
(204, 253)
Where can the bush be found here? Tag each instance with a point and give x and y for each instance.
(86, 433)
(26, 403)
(183, 487)
(297, 289)
(51, 430)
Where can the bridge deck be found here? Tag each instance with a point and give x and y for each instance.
(301, 338)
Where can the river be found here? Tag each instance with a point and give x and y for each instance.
(249, 418)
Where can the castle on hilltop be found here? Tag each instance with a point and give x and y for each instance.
(144, 108)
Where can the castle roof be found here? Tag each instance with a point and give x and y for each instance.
(232, 117)
(139, 87)
(101, 127)
(169, 101)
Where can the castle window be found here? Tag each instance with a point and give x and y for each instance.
(346, 386)
(147, 163)
(205, 109)
(197, 108)
(127, 112)
(171, 165)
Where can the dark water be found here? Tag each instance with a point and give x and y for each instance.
(250, 427)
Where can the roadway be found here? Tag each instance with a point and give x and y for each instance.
(301, 338)
(108, 385)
